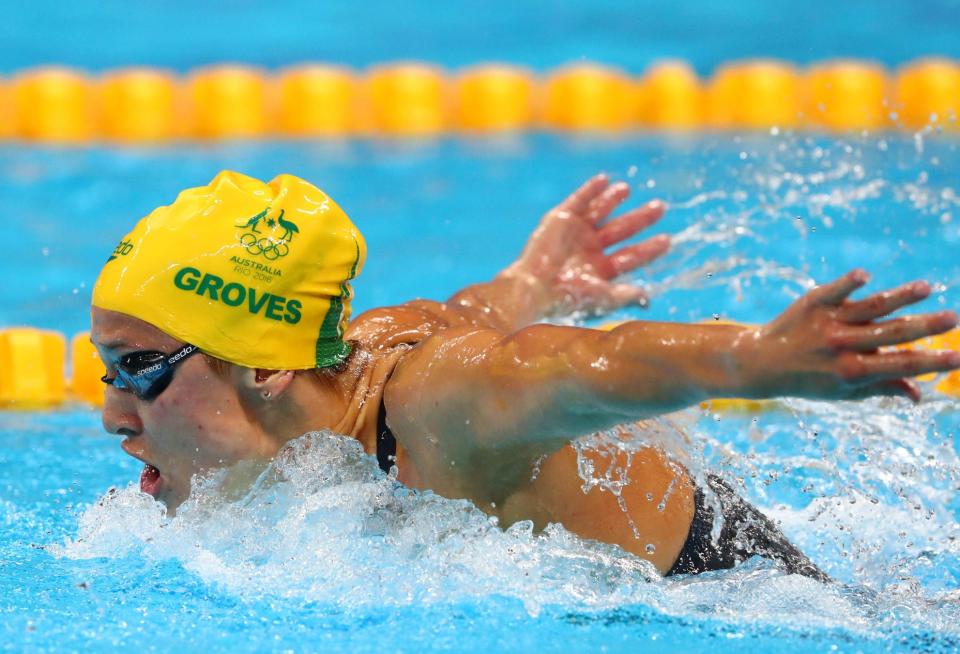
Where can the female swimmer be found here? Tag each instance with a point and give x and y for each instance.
(467, 397)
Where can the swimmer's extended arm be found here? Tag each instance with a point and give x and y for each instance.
(564, 266)
(475, 408)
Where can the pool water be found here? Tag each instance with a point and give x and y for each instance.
(541, 34)
(339, 557)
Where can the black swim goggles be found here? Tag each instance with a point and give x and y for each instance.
(147, 373)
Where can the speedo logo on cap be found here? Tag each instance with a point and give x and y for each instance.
(123, 249)
(232, 294)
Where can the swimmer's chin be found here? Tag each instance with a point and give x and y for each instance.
(164, 491)
(213, 486)
(171, 501)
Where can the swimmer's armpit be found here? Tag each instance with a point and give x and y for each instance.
(565, 266)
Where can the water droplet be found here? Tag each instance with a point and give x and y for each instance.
(650, 548)
(649, 497)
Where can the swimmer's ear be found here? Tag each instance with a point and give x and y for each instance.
(269, 384)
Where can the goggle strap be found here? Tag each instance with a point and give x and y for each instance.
(183, 353)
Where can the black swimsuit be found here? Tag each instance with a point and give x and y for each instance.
(746, 532)
(386, 443)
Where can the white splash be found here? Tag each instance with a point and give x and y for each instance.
(324, 522)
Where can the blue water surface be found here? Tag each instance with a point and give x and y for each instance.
(180, 34)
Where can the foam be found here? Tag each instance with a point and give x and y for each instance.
(324, 524)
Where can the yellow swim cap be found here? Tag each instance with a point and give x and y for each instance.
(255, 274)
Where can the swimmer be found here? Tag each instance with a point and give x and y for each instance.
(224, 323)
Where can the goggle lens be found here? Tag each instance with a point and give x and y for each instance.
(147, 373)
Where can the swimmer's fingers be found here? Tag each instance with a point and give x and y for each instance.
(834, 293)
(622, 295)
(579, 201)
(623, 227)
(866, 338)
(881, 304)
(595, 294)
(633, 256)
(886, 366)
(603, 204)
(907, 388)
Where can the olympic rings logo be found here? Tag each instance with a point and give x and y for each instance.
(267, 246)
(270, 249)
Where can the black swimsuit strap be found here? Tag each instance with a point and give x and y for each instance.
(386, 443)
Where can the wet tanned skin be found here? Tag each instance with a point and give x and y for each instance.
(659, 501)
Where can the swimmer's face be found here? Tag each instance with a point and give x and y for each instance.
(201, 421)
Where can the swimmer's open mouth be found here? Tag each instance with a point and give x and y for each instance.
(150, 481)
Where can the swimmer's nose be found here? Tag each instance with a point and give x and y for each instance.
(118, 416)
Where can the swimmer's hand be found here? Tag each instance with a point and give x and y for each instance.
(828, 346)
(566, 258)
(565, 267)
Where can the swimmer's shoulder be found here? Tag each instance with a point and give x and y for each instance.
(408, 323)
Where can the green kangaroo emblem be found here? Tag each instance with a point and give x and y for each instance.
(252, 223)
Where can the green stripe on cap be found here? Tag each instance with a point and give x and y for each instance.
(331, 349)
